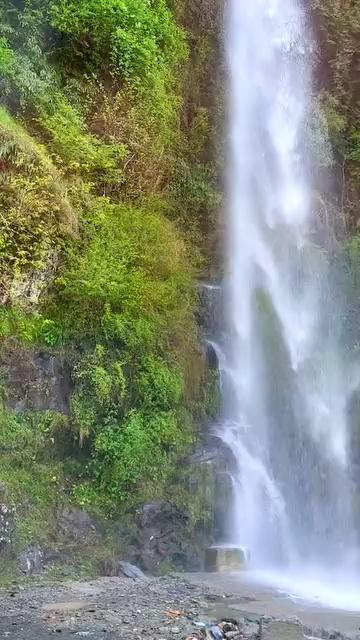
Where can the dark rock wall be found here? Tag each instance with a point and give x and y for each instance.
(35, 379)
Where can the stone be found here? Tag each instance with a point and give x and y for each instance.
(31, 561)
(209, 472)
(26, 289)
(281, 630)
(225, 558)
(116, 568)
(215, 633)
(76, 525)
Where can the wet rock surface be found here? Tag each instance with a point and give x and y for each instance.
(211, 307)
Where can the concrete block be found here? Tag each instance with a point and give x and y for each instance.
(219, 559)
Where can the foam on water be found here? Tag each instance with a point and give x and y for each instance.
(313, 586)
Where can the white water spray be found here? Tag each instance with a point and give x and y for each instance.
(284, 385)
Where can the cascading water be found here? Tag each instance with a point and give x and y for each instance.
(284, 385)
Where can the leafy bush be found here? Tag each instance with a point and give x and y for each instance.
(30, 437)
(133, 271)
(138, 451)
(29, 328)
(137, 37)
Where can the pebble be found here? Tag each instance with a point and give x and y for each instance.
(175, 630)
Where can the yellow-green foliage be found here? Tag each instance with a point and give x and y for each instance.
(35, 213)
(135, 264)
(78, 152)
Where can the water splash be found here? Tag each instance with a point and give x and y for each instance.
(284, 384)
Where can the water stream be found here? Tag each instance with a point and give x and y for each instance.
(285, 385)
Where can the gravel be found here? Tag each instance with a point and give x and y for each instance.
(138, 609)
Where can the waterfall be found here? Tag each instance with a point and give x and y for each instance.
(284, 383)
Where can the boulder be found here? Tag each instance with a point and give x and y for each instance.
(208, 477)
(211, 308)
(31, 561)
(77, 526)
(27, 288)
(120, 568)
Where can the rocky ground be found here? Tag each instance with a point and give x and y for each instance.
(135, 608)
(105, 608)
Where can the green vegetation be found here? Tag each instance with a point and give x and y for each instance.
(109, 177)
(129, 298)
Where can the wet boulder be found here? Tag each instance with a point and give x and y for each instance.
(36, 380)
(211, 308)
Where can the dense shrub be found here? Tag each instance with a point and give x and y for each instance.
(139, 39)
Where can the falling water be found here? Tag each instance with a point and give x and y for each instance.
(285, 387)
